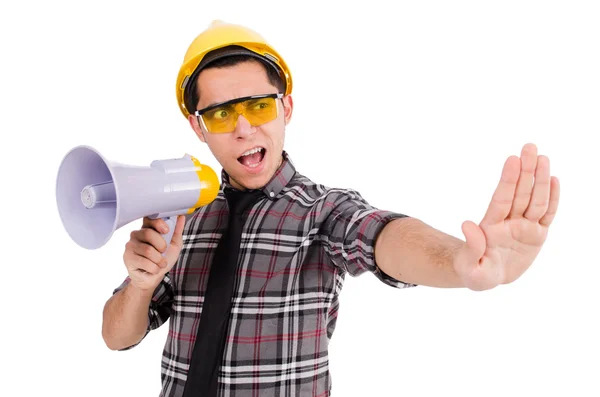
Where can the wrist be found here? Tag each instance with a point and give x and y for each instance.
(469, 273)
(138, 292)
(457, 266)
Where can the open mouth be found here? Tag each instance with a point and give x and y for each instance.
(253, 157)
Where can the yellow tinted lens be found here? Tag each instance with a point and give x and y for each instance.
(224, 118)
(260, 111)
(221, 119)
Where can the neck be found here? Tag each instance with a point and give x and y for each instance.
(235, 184)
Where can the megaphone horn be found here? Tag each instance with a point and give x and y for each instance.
(95, 197)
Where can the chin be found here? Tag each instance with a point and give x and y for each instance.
(252, 183)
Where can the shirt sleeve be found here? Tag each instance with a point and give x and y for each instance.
(350, 232)
(161, 305)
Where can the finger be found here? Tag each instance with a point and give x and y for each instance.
(134, 262)
(157, 224)
(475, 240)
(538, 204)
(177, 239)
(145, 265)
(152, 237)
(502, 199)
(147, 251)
(553, 204)
(525, 184)
(176, 242)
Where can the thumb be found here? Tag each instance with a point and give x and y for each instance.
(176, 243)
(475, 244)
(177, 238)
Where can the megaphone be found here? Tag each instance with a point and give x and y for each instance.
(95, 197)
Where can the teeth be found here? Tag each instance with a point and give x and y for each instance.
(252, 151)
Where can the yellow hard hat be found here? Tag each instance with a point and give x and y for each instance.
(218, 36)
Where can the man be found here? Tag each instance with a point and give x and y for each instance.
(250, 282)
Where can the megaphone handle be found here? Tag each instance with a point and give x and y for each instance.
(171, 222)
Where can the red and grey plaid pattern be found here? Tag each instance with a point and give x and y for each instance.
(297, 244)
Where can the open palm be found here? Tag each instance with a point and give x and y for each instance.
(511, 234)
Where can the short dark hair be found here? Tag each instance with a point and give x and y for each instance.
(191, 100)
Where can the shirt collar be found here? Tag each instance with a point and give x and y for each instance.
(281, 178)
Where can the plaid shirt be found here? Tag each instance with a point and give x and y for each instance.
(297, 244)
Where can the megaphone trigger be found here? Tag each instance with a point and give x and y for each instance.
(95, 197)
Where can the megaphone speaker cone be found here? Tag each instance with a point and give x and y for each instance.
(83, 167)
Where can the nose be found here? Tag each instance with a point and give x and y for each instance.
(243, 128)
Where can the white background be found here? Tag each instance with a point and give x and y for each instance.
(417, 106)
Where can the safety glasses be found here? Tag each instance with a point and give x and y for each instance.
(221, 118)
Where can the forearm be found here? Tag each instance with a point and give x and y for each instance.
(414, 252)
(125, 317)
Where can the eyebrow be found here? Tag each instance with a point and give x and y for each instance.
(210, 105)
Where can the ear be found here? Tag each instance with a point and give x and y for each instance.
(288, 107)
(193, 120)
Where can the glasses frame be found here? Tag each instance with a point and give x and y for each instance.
(199, 113)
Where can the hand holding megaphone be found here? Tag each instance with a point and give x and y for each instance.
(95, 197)
(147, 255)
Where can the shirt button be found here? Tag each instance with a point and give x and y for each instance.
(271, 194)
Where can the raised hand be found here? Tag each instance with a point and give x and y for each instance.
(511, 234)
